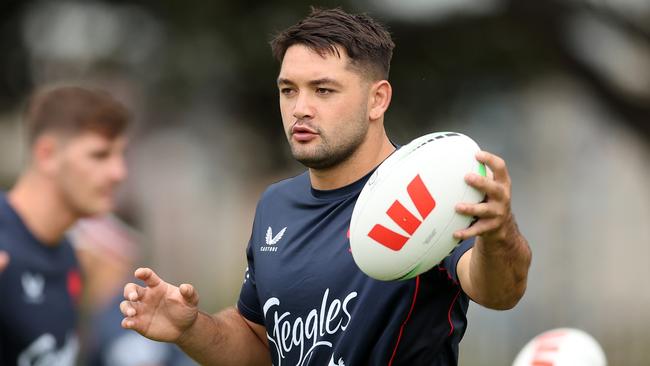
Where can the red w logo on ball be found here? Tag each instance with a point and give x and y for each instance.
(424, 203)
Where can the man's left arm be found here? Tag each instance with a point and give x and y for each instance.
(493, 273)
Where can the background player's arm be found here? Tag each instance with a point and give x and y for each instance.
(4, 260)
(163, 312)
(493, 273)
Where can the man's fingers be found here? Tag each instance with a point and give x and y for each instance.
(128, 308)
(130, 311)
(496, 164)
(147, 275)
(492, 188)
(133, 292)
(479, 227)
(481, 210)
(189, 294)
(129, 323)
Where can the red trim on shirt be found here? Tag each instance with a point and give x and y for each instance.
(443, 269)
(451, 306)
(401, 329)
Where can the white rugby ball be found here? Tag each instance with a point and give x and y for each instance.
(403, 221)
(562, 347)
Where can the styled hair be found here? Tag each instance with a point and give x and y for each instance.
(367, 42)
(73, 110)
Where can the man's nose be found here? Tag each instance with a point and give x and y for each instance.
(118, 169)
(303, 107)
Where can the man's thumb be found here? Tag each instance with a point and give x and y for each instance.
(189, 293)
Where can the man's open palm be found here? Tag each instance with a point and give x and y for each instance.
(159, 311)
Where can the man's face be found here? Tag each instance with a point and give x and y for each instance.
(88, 169)
(324, 106)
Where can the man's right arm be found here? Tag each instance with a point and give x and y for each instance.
(226, 338)
(163, 312)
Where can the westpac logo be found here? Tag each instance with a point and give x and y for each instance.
(405, 219)
(271, 240)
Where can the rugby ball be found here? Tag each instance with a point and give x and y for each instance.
(562, 347)
(404, 219)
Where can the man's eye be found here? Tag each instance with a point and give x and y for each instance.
(286, 91)
(100, 155)
(324, 91)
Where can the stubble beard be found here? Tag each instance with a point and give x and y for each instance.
(329, 154)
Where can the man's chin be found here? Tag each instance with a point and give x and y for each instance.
(318, 164)
(309, 161)
(98, 210)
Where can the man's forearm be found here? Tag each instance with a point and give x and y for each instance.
(223, 339)
(499, 270)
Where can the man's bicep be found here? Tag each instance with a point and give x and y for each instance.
(253, 345)
(259, 330)
(463, 272)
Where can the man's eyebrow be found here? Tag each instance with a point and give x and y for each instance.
(283, 81)
(322, 81)
(313, 83)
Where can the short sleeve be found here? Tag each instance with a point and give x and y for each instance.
(451, 262)
(249, 303)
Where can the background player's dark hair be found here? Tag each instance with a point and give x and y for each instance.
(367, 42)
(72, 110)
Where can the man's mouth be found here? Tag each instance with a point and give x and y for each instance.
(303, 133)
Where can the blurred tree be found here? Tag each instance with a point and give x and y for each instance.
(547, 20)
(219, 50)
(14, 69)
(435, 63)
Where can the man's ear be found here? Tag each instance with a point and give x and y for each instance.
(45, 153)
(381, 93)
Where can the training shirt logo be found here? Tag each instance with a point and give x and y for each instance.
(43, 351)
(340, 363)
(33, 286)
(299, 336)
(271, 240)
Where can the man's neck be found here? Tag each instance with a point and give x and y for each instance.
(39, 206)
(365, 159)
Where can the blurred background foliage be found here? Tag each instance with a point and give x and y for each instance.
(559, 88)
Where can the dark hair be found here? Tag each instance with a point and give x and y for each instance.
(367, 42)
(72, 110)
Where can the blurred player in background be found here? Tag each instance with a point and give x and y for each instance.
(76, 144)
(107, 249)
(304, 301)
(4, 261)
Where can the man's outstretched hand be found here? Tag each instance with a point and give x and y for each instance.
(159, 311)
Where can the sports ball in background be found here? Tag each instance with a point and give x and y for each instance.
(403, 222)
(562, 347)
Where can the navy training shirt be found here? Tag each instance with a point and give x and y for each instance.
(39, 291)
(319, 308)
